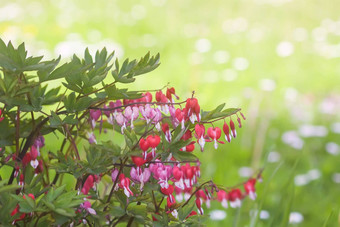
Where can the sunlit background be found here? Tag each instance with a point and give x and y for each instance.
(276, 59)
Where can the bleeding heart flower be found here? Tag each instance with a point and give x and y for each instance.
(193, 110)
(232, 127)
(21, 180)
(140, 176)
(226, 132)
(87, 206)
(200, 131)
(153, 141)
(235, 197)
(215, 134)
(180, 116)
(125, 184)
(138, 160)
(170, 201)
(166, 130)
(168, 191)
(222, 196)
(199, 205)
(249, 187)
(1, 118)
(89, 183)
(170, 92)
(189, 148)
(94, 116)
(34, 154)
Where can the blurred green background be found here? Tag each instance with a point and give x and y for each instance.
(276, 59)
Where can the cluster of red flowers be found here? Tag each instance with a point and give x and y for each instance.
(177, 179)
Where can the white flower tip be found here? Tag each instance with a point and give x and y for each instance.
(91, 211)
(34, 163)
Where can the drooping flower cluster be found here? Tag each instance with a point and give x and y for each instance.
(177, 180)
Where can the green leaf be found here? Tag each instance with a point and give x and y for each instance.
(70, 102)
(48, 204)
(116, 211)
(55, 120)
(65, 212)
(8, 188)
(184, 156)
(83, 103)
(217, 113)
(186, 210)
(47, 68)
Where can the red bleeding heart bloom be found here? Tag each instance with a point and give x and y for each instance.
(34, 154)
(249, 187)
(168, 191)
(199, 205)
(226, 132)
(223, 197)
(21, 180)
(144, 145)
(192, 213)
(153, 142)
(166, 130)
(94, 116)
(89, 183)
(235, 197)
(232, 127)
(161, 98)
(170, 201)
(189, 148)
(138, 160)
(26, 159)
(180, 116)
(200, 131)
(1, 118)
(125, 184)
(170, 92)
(215, 134)
(193, 110)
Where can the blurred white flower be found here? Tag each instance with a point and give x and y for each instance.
(264, 215)
(301, 179)
(273, 156)
(10, 12)
(336, 178)
(314, 174)
(336, 127)
(221, 57)
(203, 45)
(229, 75)
(332, 148)
(284, 49)
(240, 64)
(300, 34)
(292, 139)
(138, 12)
(295, 218)
(245, 171)
(313, 131)
(218, 215)
(267, 85)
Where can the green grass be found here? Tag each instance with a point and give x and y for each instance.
(173, 29)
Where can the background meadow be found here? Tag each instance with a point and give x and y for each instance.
(278, 60)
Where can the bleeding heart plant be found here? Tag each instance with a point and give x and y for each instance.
(90, 152)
